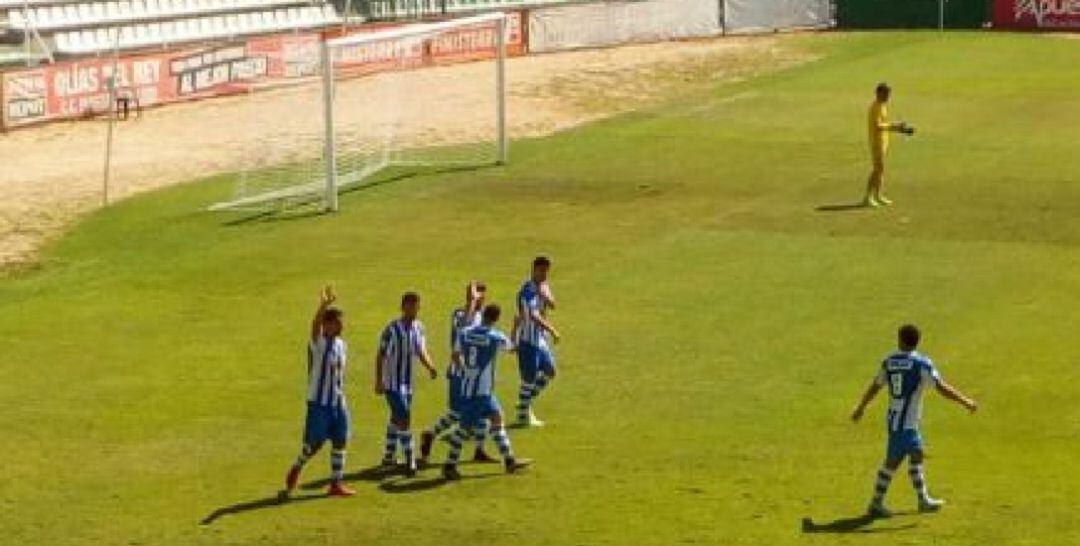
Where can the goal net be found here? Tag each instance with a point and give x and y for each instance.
(399, 98)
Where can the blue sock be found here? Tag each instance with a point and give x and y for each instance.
(524, 400)
(480, 434)
(390, 447)
(302, 458)
(445, 422)
(918, 480)
(881, 485)
(503, 441)
(337, 465)
(405, 437)
(539, 385)
(457, 439)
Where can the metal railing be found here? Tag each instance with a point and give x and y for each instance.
(384, 10)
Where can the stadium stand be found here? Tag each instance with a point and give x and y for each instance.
(404, 9)
(87, 26)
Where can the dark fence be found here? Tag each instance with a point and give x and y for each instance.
(910, 13)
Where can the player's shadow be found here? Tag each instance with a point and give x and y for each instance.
(857, 524)
(279, 499)
(427, 484)
(373, 474)
(843, 207)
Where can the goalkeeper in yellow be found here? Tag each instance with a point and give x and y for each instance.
(879, 144)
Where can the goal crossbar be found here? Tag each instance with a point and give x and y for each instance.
(415, 30)
(331, 182)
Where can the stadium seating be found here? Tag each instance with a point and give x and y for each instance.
(389, 9)
(88, 26)
(84, 14)
(202, 28)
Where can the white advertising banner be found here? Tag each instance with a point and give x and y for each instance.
(610, 23)
(768, 15)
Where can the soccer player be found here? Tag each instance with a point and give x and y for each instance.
(461, 318)
(536, 363)
(906, 374)
(327, 412)
(475, 351)
(401, 344)
(879, 144)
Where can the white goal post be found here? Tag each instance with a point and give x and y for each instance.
(386, 100)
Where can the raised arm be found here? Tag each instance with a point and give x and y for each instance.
(871, 391)
(951, 392)
(473, 304)
(326, 298)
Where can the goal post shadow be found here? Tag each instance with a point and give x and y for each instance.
(313, 205)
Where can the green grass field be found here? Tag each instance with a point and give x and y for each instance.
(718, 327)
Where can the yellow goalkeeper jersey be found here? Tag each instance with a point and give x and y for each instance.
(879, 125)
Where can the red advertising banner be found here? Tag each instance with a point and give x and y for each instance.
(463, 44)
(1037, 14)
(81, 88)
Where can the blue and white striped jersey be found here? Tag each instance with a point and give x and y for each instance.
(458, 322)
(479, 346)
(529, 300)
(906, 375)
(401, 344)
(326, 371)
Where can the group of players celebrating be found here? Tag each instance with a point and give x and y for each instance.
(473, 410)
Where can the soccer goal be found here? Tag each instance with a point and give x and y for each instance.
(421, 96)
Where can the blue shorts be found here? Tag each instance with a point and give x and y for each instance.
(400, 405)
(532, 360)
(475, 410)
(326, 423)
(454, 394)
(903, 443)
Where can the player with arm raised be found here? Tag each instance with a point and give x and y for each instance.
(536, 362)
(476, 350)
(327, 411)
(400, 345)
(905, 375)
(461, 318)
(879, 144)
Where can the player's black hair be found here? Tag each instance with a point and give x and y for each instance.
(882, 87)
(481, 287)
(410, 298)
(541, 261)
(332, 313)
(909, 336)
(492, 313)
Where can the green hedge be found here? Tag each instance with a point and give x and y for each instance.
(910, 13)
